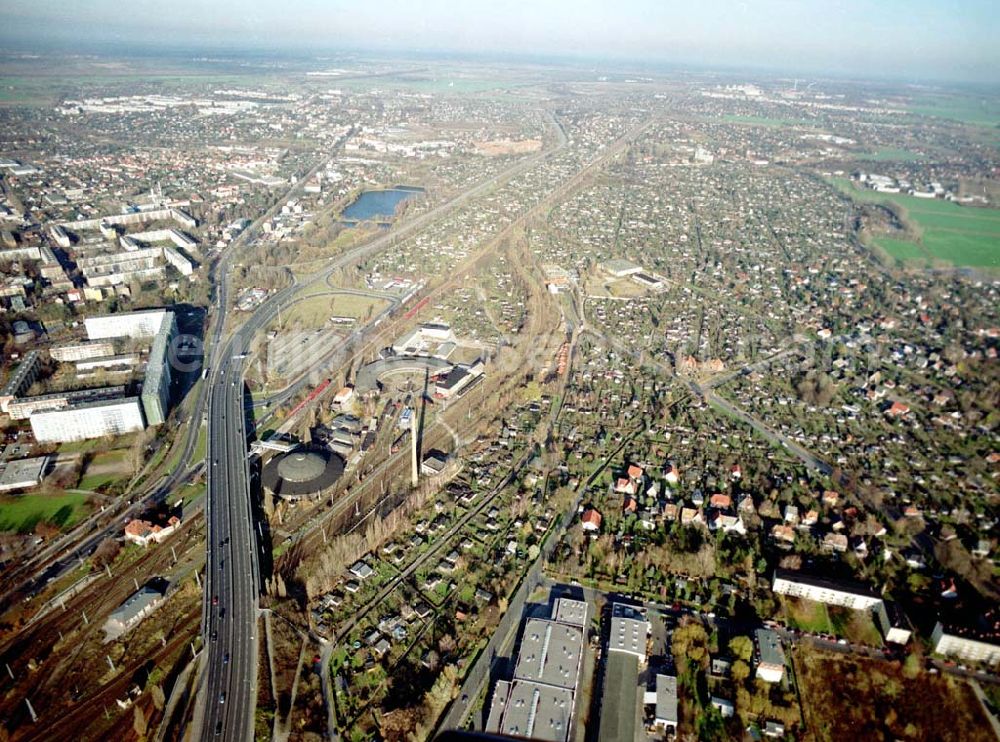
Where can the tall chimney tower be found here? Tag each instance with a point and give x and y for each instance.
(414, 464)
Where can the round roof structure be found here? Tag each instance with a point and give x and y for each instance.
(303, 472)
(301, 466)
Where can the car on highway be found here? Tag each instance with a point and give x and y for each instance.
(215, 600)
(225, 658)
(215, 635)
(218, 727)
(222, 697)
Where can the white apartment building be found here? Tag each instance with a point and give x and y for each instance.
(88, 420)
(831, 592)
(126, 324)
(972, 647)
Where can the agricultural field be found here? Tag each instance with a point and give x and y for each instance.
(45, 90)
(22, 513)
(967, 109)
(945, 232)
(851, 697)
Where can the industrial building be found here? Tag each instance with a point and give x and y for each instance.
(665, 716)
(138, 605)
(458, 380)
(539, 701)
(434, 339)
(22, 473)
(629, 631)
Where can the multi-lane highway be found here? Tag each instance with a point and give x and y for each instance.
(231, 571)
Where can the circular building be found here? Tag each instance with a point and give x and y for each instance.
(302, 472)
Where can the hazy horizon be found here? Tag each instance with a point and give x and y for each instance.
(911, 41)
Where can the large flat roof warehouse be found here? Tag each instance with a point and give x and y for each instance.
(550, 653)
(620, 698)
(619, 267)
(570, 611)
(22, 473)
(537, 711)
(629, 629)
(666, 699)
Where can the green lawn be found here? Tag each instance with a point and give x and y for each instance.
(892, 155)
(188, 493)
(94, 482)
(114, 457)
(22, 512)
(806, 615)
(201, 446)
(900, 249)
(946, 232)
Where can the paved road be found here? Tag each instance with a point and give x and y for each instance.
(231, 568)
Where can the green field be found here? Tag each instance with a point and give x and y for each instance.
(968, 109)
(313, 311)
(49, 89)
(892, 155)
(900, 249)
(188, 493)
(94, 482)
(22, 512)
(945, 232)
(806, 615)
(818, 618)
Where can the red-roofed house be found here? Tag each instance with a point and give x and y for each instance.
(897, 409)
(591, 520)
(720, 501)
(635, 471)
(624, 486)
(142, 531)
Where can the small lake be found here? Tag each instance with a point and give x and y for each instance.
(376, 205)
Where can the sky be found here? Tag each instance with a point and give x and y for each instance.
(909, 39)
